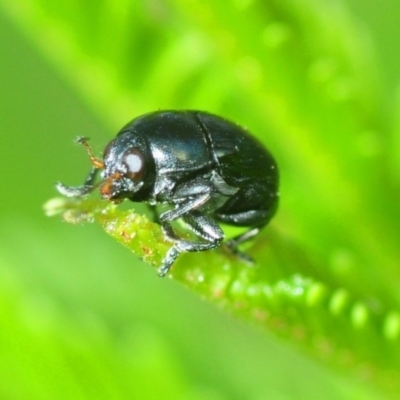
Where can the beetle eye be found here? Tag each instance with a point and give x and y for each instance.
(133, 161)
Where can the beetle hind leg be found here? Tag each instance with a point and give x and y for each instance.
(256, 219)
(233, 244)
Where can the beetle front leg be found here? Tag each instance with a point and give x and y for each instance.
(78, 191)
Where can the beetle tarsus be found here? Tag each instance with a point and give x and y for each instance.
(73, 191)
(232, 244)
(169, 259)
(232, 248)
(79, 191)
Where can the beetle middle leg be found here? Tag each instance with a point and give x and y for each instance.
(203, 226)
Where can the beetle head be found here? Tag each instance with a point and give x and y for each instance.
(124, 167)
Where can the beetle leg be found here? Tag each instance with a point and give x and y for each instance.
(183, 208)
(201, 225)
(169, 259)
(169, 232)
(257, 218)
(232, 244)
(244, 237)
(78, 191)
(204, 227)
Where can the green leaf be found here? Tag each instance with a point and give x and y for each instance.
(285, 292)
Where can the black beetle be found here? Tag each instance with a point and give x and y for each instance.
(208, 169)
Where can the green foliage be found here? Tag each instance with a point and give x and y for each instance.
(302, 77)
(286, 292)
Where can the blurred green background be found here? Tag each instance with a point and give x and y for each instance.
(82, 318)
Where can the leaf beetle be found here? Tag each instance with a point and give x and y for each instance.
(208, 169)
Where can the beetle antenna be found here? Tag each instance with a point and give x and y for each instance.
(97, 163)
